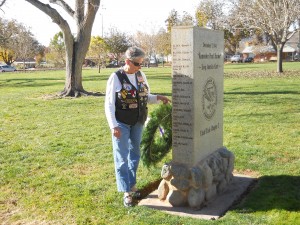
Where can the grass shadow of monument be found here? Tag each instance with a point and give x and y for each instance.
(261, 97)
(272, 192)
(261, 92)
(159, 77)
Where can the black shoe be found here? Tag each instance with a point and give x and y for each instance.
(136, 195)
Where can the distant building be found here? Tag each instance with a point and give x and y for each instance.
(29, 63)
(268, 53)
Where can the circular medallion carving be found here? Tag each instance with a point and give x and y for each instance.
(209, 98)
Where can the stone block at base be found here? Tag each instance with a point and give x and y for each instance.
(213, 209)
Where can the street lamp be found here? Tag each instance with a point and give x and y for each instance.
(102, 19)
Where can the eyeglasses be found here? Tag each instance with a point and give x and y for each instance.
(136, 63)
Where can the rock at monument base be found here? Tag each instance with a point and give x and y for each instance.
(225, 163)
(210, 193)
(177, 198)
(163, 190)
(207, 175)
(222, 186)
(196, 198)
(180, 171)
(166, 172)
(196, 177)
(180, 184)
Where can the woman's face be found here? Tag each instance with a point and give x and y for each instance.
(134, 65)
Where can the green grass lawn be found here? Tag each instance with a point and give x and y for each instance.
(56, 163)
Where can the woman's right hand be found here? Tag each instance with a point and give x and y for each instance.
(116, 132)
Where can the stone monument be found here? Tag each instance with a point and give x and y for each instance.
(201, 166)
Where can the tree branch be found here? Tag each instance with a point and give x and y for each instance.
(51, 12)
(2, 2)
(79, 16)
(93, 6)
(87, 21)
(64, 5)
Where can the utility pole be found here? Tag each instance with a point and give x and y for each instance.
(102, 19)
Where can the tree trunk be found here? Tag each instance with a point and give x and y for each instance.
(75, 54)
(279, 58)
(24, 65)
(76, 47)
(73, 83)
(99, 64)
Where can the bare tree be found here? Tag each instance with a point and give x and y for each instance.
(2, 3)
(163, 43)
(83, 15)
(276, 18)
(210, 13)
(117, 43)
(213, 14)
(147, 43)
(25, 45)
(187, 19)
(8, 39)
(174, 19)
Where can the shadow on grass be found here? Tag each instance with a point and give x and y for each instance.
(267, 98)
(158, 78)
(273, 192)
(242, 66)
(262, 93)
(95, 78)
(40, 82)
(31, 82)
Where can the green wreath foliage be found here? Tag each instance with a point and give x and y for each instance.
(157, 136)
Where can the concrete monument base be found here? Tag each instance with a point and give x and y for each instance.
(214, 209)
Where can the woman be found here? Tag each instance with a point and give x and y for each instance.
(127, 95)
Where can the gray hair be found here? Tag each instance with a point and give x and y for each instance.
(134, 52)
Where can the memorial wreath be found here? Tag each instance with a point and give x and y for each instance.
(157, 136)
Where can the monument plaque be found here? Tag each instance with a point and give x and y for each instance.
(197, 93)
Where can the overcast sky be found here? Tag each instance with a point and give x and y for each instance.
(126, 15)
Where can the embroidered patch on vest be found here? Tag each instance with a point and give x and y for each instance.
(127, 86)
(133, 93)
(140, 79)
(123, 94)
(133, 106)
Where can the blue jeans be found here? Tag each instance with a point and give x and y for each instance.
(126, 151)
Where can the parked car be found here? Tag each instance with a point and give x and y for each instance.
(114, 64)
(236, 58)
(7, 68)
(249, 60)
(227, 57)
(297, 58)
